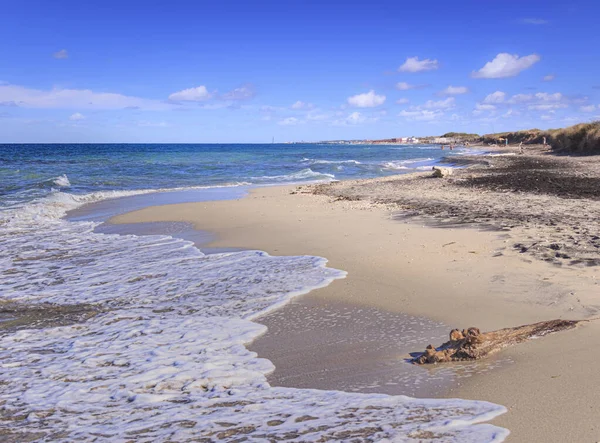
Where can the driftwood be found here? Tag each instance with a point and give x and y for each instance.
(472, 344)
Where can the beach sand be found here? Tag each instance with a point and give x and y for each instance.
(457, 275)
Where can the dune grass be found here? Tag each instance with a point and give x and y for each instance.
(583, 138)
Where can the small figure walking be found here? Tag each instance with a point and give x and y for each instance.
(521, 148)
(544, 142)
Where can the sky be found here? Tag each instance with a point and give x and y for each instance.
(253, 71)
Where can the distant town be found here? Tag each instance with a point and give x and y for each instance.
(451, 137)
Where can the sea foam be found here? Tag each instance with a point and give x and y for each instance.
(304, 174)
(165, 359)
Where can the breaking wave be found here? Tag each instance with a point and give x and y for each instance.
(304, 174)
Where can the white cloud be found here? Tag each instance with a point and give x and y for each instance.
(290, 121)
(455, 90)
(62, 54)
(546, 117)
(480, 108)
(77, 116)
(366, 100)
(413, 64)
(547, 106)
(484, 107)
(79, 99)
(197, 94)
(355, 118)
(244, 92)
(521, 98)
(495, 97)
(403, 86)
(534, 21)
(547, 97)
(421, 115)
(302, 105)
(544, 101)
(589, 108)
(549, 77)
(441, 104)
(402, 101)
(506, 65)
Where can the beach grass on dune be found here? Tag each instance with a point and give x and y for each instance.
(582, 138)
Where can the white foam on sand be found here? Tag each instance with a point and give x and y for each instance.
(304, 174)
(166, 360)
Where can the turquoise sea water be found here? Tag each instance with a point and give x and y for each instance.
(165, 357)
(32, 171)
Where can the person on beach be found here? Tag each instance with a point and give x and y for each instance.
(521, 151)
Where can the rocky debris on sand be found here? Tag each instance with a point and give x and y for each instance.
(472, 344)
(441, 172)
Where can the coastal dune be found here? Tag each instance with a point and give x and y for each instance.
(403, 254)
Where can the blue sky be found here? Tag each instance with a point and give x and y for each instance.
(230, 71)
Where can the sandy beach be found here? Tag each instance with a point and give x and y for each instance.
(467, 250)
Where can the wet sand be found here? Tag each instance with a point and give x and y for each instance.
(457, 276)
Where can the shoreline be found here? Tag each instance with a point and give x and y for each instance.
(473, 286)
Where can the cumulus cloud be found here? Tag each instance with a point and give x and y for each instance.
(547, 97)
(355, 118)
(495, 97)
(521, 98)
(198, 94)
(543, 101)
(549, 77)
(62, 54)
(547, 106)
(80, 99)
(403, 86)
(589, 108)
(506, 65)
(441, 104)
(366, 100)
(480, 108)
(510, 113)
(77, 116)
(302, 105)
(402, 101)
(534, 21)
(413, 64)
(244, 92)
(455, 90)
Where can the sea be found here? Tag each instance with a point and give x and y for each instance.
(126, 337)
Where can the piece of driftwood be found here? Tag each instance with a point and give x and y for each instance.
(472, 344)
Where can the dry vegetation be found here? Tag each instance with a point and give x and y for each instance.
(583, 138)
